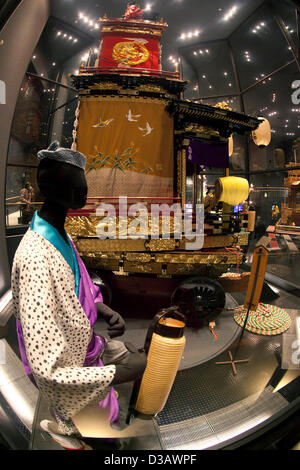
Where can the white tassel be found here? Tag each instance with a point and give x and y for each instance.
(74, 132)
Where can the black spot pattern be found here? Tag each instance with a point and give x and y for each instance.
(56, 330)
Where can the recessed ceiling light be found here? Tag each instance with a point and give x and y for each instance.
(230, 13)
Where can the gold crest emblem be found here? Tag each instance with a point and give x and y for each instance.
(130, 53)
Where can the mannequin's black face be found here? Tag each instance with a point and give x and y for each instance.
(62, 184)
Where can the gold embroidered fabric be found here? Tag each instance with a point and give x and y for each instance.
(129, 146)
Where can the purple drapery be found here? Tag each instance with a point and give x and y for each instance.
(89, 295)
(208, 154)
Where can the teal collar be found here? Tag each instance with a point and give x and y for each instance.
(53, 236)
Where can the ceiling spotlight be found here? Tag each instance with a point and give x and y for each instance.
(230, 13)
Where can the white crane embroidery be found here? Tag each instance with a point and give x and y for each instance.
(132, 117)
(147, 130)
(103, 123)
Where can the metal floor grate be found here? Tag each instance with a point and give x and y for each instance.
(219, 426)
(207, 388)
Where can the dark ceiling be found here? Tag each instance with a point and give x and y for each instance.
(182, 16)
(239, 43)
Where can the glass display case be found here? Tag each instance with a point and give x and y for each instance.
(236, 387)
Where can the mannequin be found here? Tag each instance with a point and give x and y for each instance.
(56, 305)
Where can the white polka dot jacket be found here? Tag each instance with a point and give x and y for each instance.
(55, 328)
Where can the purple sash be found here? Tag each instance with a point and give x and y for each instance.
(89, 295)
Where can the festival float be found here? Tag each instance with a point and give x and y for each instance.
(143, 140)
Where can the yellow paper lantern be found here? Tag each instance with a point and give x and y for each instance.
(262, 135)
(232, 190)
